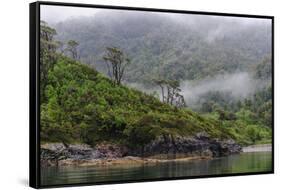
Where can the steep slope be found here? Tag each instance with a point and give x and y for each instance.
(162, 45)
(84, 106)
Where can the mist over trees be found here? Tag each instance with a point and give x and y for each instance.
(203, 45)
(170, 92)
(116, 62)
(48, 54)
(179, 47)
(219, 67)
(83, 106)
(72, 49)
(217, 62)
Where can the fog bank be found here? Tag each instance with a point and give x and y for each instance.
(238, 85)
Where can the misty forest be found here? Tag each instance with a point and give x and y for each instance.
(145, 84)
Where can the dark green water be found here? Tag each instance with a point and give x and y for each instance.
(245, 162)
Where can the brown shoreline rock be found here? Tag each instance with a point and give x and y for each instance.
(124, 161)
(163, 149)
(199, 145)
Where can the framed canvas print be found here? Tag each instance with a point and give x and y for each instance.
(122, 94)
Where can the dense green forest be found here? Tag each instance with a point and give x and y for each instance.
(220, 63)
(160, 45)
(82, 105)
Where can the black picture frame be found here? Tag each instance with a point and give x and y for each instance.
(34, 98)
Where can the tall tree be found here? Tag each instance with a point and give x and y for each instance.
(161, 84)
(116, 62)
(60, 47)
(48, 54)
(72, 48)
(170, 90)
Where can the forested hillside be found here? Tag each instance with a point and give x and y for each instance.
(81, 105)
(219, 63)
(168, 46)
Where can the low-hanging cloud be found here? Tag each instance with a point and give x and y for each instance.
(238, 85)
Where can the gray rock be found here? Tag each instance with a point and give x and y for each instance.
(199, 145)
(52, 153)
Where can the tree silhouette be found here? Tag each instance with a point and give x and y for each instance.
(116, 62)
(170, 91)
(72, 48)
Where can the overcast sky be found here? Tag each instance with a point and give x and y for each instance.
(51, 13)
(54, 14)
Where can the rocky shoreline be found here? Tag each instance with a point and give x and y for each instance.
(258, 148)
(163, 149)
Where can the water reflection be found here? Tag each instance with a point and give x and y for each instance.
(246, 162)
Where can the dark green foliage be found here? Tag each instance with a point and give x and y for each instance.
(116, 63)
(72, 49)
(170, 92)
(84, 106)
(48, 54)
(78, 104)
(213, 100)
(225, 115)
(263, 69)
(177, 51)
(261, 106)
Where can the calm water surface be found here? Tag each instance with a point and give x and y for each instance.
(245, 162)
